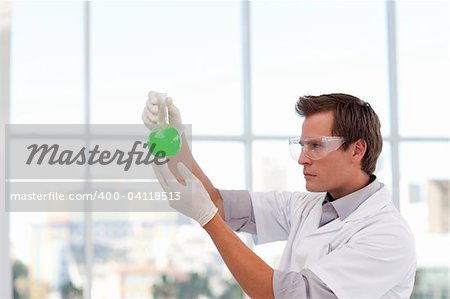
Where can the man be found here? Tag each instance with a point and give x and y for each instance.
(345, 239)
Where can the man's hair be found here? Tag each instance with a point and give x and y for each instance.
(353, 119)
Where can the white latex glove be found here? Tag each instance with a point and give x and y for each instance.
(150, 115)
(194, 200)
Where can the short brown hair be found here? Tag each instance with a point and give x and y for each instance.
(353, 119)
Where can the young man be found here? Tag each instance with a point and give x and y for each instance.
(345, 239)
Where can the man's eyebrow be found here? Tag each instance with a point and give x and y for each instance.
(311, 139)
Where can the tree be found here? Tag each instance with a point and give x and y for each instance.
(195, 286)
(69, 291)
(191, 288)
(20, 272)
(232, 291)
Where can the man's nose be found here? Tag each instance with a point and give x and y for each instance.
(303, 159)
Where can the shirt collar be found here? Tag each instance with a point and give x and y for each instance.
(349, 203)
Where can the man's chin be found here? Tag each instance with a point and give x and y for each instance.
(312, 188)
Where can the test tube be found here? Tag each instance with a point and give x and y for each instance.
(163, 113)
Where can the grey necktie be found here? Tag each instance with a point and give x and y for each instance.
(328, 213)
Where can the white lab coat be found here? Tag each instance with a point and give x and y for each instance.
(370, 254)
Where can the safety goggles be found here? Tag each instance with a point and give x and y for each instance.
(314, 148)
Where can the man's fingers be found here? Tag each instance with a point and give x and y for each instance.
(167, 171)
(150, 107)
(159, 175)
(176, 173)
(153, 118)
(145, 117)
(147, 122)
(151, 93)
(152, 98)
(185, 172)
(172, 108)
(154, 109)
(148, 117)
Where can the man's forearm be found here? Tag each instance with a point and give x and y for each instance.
(251, 272)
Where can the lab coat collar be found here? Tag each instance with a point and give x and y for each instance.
(372, 205)
(314, 221)
(346, 205)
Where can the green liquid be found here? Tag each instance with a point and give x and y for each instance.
(166, 139)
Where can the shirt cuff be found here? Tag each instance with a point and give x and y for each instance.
(238, 210)
(303, 284)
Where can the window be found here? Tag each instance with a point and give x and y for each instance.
(423, 67)
(94, 62)
(315, 47)
(47, 86)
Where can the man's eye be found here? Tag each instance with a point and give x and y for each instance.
(315, 145)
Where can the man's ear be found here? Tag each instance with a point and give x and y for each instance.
(359, 149)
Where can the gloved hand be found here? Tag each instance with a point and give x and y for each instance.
(150, 115)
(194, 200)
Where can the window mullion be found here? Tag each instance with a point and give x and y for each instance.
(5, 257)
(393, 101)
